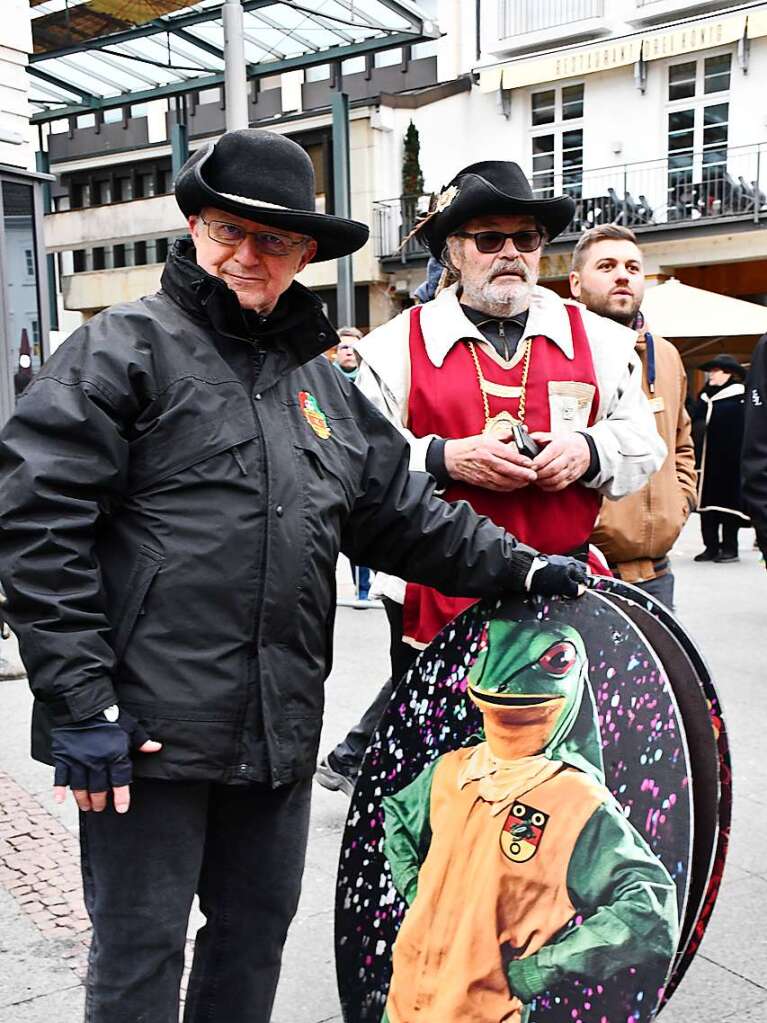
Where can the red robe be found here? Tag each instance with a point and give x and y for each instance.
(447, 401)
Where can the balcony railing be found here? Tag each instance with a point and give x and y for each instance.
(519, 17)
(691, 188)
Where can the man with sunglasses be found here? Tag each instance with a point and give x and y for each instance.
(526, 406)
(175, 487)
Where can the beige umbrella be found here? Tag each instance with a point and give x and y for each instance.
(677, 310)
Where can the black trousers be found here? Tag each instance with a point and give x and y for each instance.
(710, 524)
(351, 749)
(241, 849)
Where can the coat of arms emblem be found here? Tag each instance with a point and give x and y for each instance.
(522, 832)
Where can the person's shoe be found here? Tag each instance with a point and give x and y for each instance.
(331, 774)
(724, 556)
(709, 554)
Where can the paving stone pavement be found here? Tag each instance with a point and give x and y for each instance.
(39, 867)
(43, 927)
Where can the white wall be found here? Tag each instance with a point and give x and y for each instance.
(468, 127)
(15, 44)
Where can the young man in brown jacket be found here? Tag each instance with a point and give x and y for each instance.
(636, 533)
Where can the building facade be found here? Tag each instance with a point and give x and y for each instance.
(24, 293)
(649, 113)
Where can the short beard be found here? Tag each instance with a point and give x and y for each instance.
(600, 306)
(483, 295)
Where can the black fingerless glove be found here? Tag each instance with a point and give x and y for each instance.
(552, 575)
(95, 754)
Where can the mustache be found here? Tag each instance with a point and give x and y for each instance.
(505, 266)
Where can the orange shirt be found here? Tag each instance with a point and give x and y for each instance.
(476, 903)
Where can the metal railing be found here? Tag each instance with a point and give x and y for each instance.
(708, 186)
(519, 17)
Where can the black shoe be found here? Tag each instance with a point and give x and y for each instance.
(709, 554)
(331, 774)
(724, 556)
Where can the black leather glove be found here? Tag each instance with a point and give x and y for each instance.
(95, 754)
(552, 575)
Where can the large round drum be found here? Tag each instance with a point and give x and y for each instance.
(518, 846)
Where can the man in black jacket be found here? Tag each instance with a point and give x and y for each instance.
(175, 487)
(754, 460)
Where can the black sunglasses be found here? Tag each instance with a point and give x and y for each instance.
(494, 241)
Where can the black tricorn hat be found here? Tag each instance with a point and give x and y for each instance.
(726, 362)
(491, 186)
(267, 178)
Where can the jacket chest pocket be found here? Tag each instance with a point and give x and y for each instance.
(178, 450)
(326, 476)
(570, 404)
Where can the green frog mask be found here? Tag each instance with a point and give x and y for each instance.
(530, 682)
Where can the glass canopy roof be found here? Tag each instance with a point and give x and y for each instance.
(96, 54)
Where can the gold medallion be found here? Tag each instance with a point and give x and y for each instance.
(500, 426)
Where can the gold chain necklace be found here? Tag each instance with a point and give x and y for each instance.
(501, 424)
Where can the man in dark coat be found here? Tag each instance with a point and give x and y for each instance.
(718, 432)
(754, 460)
(175, 487)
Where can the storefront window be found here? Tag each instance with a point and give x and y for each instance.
(21, 272)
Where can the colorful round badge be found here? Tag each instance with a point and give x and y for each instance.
(313, 414)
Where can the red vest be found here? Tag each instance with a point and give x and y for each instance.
(447, 401)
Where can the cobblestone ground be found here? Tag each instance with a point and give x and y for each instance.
(40, 868)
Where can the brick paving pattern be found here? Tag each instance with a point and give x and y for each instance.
(40, 867)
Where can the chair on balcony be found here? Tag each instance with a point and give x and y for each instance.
(753, 196)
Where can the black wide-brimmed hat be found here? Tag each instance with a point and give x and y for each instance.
(728, 363)
(492, 186)
(269, 179)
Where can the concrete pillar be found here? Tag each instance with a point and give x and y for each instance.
(235, 73)
(339, 105)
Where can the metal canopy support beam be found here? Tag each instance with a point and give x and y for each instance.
(272, 67)
(89, 97)
(43, 164)
(339, 105)
(198, 41)
(419, 25)
(235, 68)
(179, 147)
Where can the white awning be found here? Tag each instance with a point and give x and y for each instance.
(673, 309)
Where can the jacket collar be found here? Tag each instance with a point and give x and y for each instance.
(297, 325)
(444, 324)
(728, 391)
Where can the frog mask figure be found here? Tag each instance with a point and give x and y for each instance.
(530, 683)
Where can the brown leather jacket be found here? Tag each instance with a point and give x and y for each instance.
(636, 533)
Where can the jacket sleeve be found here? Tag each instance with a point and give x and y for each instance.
(407, 831)
(629, 447)
(63, 454)
(754, 460)
(398, 525)
(685, 450)
(630, 907)
(394, 408)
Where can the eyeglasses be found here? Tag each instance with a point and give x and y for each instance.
(494, 241)
(267, 243)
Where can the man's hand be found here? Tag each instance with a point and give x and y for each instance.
(552, 575)
(487, 462)
(563, 461)
(93, 756)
